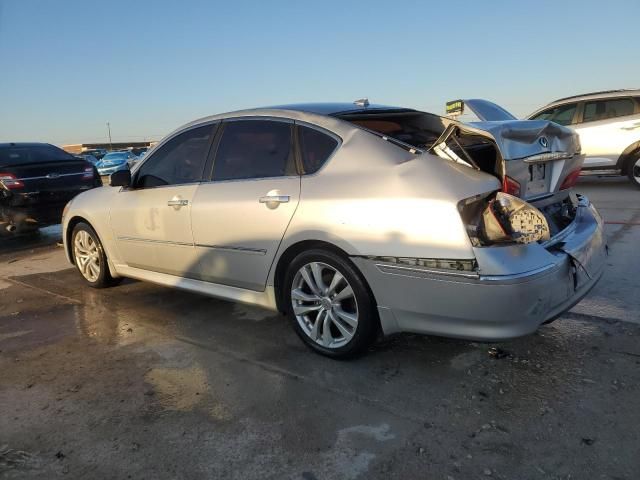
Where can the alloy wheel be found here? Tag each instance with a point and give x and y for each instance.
(87, 255)
(324, 305)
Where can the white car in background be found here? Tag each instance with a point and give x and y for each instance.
(609, 127)
(608, 124)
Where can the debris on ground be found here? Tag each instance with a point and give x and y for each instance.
(498, 353)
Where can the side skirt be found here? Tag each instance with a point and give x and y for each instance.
(266, 299)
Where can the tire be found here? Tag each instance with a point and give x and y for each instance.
(331, 318)
(94, 270)
(633, 169)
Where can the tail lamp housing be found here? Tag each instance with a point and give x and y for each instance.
(10, 181)
(503, 218)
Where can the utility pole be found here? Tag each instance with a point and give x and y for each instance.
(109, 130)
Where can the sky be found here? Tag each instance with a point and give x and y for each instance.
(67, 67)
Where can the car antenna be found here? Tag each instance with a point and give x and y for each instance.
(362, 102)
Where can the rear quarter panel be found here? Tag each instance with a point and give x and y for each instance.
(373, 198)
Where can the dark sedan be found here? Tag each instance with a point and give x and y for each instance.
(36, 181)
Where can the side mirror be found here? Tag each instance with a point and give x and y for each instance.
(121, 178)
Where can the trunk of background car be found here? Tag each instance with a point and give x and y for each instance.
(43, 190)
(51, 176)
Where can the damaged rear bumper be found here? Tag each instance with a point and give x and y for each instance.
(517, 287)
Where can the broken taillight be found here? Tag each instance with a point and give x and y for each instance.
(503, 218)
(510, 186)
(10, 181)
(571, 179)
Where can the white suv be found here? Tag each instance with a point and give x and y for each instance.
(609, 128)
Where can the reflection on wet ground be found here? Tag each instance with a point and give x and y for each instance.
(144, 381)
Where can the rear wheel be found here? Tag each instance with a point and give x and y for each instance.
(329, 304)
(89, 257)
(633, 170)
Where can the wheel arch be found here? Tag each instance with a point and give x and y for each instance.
(294, 250)
(68, 232)
(630, 152)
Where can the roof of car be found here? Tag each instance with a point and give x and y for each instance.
(601, 94)
(24, 144)
(332, 109)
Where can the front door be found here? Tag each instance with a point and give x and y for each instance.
(240, 217)
(151, 221)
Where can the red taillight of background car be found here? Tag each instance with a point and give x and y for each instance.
(510, 186)
(10, 181)
(88, 173)
(570, 180)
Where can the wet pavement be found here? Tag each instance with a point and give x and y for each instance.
(139, 381)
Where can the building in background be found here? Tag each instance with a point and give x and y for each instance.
(82, 147)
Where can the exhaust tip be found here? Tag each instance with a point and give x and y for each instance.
(11, 228)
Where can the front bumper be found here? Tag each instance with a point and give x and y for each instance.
(516, 289)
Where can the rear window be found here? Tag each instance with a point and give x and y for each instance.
(418, 129)
(24, 154)
(605, 109)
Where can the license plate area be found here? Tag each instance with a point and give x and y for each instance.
(538, 179)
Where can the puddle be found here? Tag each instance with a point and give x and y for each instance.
(185, 389)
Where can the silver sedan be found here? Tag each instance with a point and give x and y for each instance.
(355, 220)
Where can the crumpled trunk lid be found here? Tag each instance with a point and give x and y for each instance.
(533, 156)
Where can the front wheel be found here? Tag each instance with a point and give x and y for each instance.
(89, 257)
(329, 304)
(634, 170)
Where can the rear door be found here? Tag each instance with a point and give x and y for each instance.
(607, 128)
(151, 221)
(240, 216)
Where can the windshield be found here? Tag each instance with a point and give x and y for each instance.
(24, 154)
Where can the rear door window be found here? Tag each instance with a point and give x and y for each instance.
(562, 114)
(254, 149)
(606, 109)
(316, 148)
(179, 161)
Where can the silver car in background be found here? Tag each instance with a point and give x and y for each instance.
(355, 220)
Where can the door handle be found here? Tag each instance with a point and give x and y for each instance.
(177, 202)
(274, 199)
